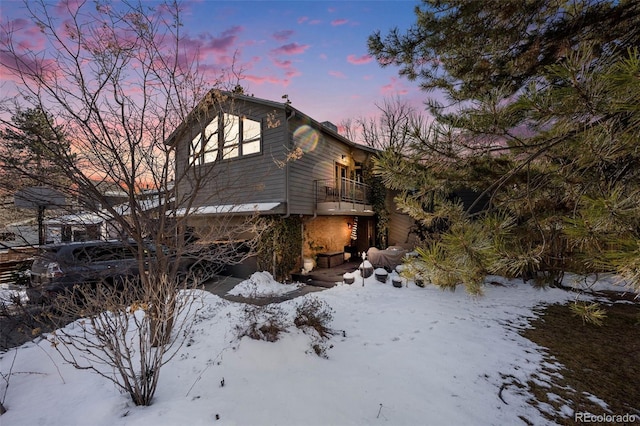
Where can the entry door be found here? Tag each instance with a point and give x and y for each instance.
(366, 233)
(341, 176)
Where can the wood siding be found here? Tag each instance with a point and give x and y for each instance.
(252, 179)
(266, 177)
(321, 153)
(400, 224)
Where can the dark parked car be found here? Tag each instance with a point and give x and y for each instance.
(60, 267)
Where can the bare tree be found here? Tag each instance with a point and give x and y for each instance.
(118, 82)
(397, 124)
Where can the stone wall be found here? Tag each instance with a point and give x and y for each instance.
(326, 234)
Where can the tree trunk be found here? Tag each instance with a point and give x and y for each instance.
(161, 322)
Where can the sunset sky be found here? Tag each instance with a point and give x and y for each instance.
(313, 51)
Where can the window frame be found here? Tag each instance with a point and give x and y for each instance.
(229, 141)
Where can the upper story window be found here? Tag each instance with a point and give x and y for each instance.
(226, 136)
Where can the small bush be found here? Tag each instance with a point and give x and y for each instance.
(313, 317)
(262, 323)
(320, 348)
(314, 314)
(268, 322)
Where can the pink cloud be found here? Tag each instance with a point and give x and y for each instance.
(226, 40)
(355, 60)
(287, 67)
(337, 74)
(15, 68)
(303, 19)
(337, 22)
(282, 35)
(282, 64)
(66, 6)
(292, 73)
(259, 80)
(291, 49)
(271, 79)
(395, 87)
(24, 33)
(254, 60)
(214, 52)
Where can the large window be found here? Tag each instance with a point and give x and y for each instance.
(226, 136)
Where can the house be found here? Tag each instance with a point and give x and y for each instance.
(99, 223)
(271, 159)
(69, 222)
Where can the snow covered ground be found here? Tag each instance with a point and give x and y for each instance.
(262, 284)
(403, 356)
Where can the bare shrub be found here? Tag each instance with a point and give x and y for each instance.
(314, 314)
(262, 323)
(126, 333)
(313, 317)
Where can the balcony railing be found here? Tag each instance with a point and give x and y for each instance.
(342, 191)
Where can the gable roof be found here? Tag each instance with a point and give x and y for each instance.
(213, 93)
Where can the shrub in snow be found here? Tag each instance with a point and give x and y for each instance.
(262, 323)
(313, 317)
(314, 314)
(126, 334)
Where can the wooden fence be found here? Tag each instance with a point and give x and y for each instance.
(13, 260)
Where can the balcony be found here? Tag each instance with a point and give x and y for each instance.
(343, 197)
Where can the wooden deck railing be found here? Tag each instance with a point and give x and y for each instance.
(342, 190)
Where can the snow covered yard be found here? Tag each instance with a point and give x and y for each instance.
(402, 356)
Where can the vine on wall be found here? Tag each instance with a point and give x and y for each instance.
(280, 247)
(378, 203)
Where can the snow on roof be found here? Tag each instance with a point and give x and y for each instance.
(144, 205)
(93, 218)
(229, 208)
(76, 219)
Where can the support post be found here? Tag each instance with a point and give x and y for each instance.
(41, 224)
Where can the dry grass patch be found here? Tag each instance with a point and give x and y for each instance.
(599, 362)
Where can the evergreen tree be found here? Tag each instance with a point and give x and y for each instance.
(470, 47)
(546, 125)
(32, 148)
